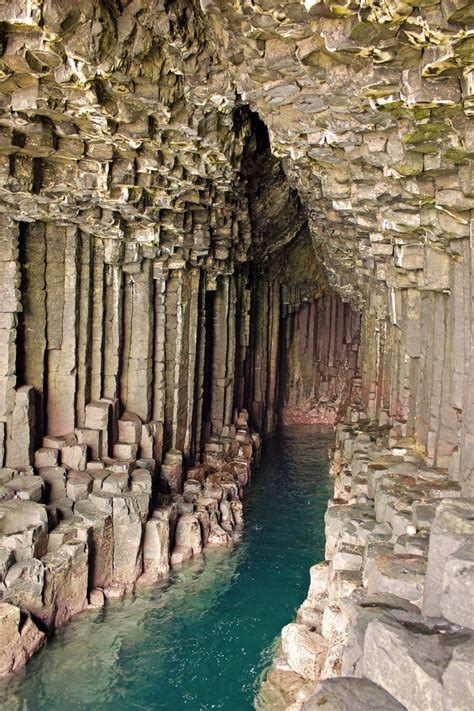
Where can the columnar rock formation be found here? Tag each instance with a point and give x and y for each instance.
(209, 209)
(320, 362)
(388, 621)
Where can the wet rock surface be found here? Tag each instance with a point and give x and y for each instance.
(98, 537)
(208, 208)
(389, 622)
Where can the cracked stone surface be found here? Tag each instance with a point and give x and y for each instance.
(215, 215)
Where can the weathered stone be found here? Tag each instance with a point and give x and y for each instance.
(65, 583)
(409, 664)
(452, 529)
(99, 416)
(457, 597)
(141, 482)
(100, 543)
(46, 457)
(96, 598)
(172, 471)
(402, 575)
(26, 487)
(156, 553)
(20, 638)
(127, 539)
(346, 692)
(304, 650)
(160, 247)
(55, 483)
(78, 485)
(20, 445)
(458, 686)
(24, 528)
(92, 438)
(59, 441)
(115, 483)
(24, 583)
(125, 451)
(74, 457)
(188, 538)
(130, 429)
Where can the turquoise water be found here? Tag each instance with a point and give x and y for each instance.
(199, 639)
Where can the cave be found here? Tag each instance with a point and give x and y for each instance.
(223, 222)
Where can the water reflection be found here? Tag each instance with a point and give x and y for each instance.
(201, 637)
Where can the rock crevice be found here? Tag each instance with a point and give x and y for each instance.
(214, 215)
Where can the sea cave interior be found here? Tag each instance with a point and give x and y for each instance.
(237, 355)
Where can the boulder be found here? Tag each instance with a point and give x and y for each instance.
(125, 451)
(24, 583)
(116, 483)
(99, 415)
(65, 532)
(204, 517)
(402, 575)
(237, 512)
(361, 609)
(92, 438)
(338, 517)
(59, 441)
(458, 679)
(78, 485)
(55, 483)
(457, 597)
(226, 517)
(7, 558)
(171, 472)
(217, 536)
(141, 482)
(27, 487)
(96, 598)
(347, 557)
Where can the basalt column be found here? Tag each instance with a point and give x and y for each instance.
(319, 361)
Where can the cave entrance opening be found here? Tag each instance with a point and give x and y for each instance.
(304, 339)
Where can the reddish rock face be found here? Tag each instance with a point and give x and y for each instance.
(319, 362)
(19, 639)
(210, 214)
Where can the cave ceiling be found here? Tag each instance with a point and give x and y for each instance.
(130, 121)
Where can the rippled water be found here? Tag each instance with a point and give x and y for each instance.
(200, 639)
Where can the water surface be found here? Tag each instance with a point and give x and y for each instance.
(199, 639)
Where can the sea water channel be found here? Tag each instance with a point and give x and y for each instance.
(201, 638)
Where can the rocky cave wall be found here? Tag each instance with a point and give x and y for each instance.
(119, 128)
(304, 369)
(320, 362)
(93, 326)
(184, 188)
(370, 107)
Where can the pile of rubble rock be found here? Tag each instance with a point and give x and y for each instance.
(389, 618)
(82, 526)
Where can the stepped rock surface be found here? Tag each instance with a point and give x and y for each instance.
(216, 216)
